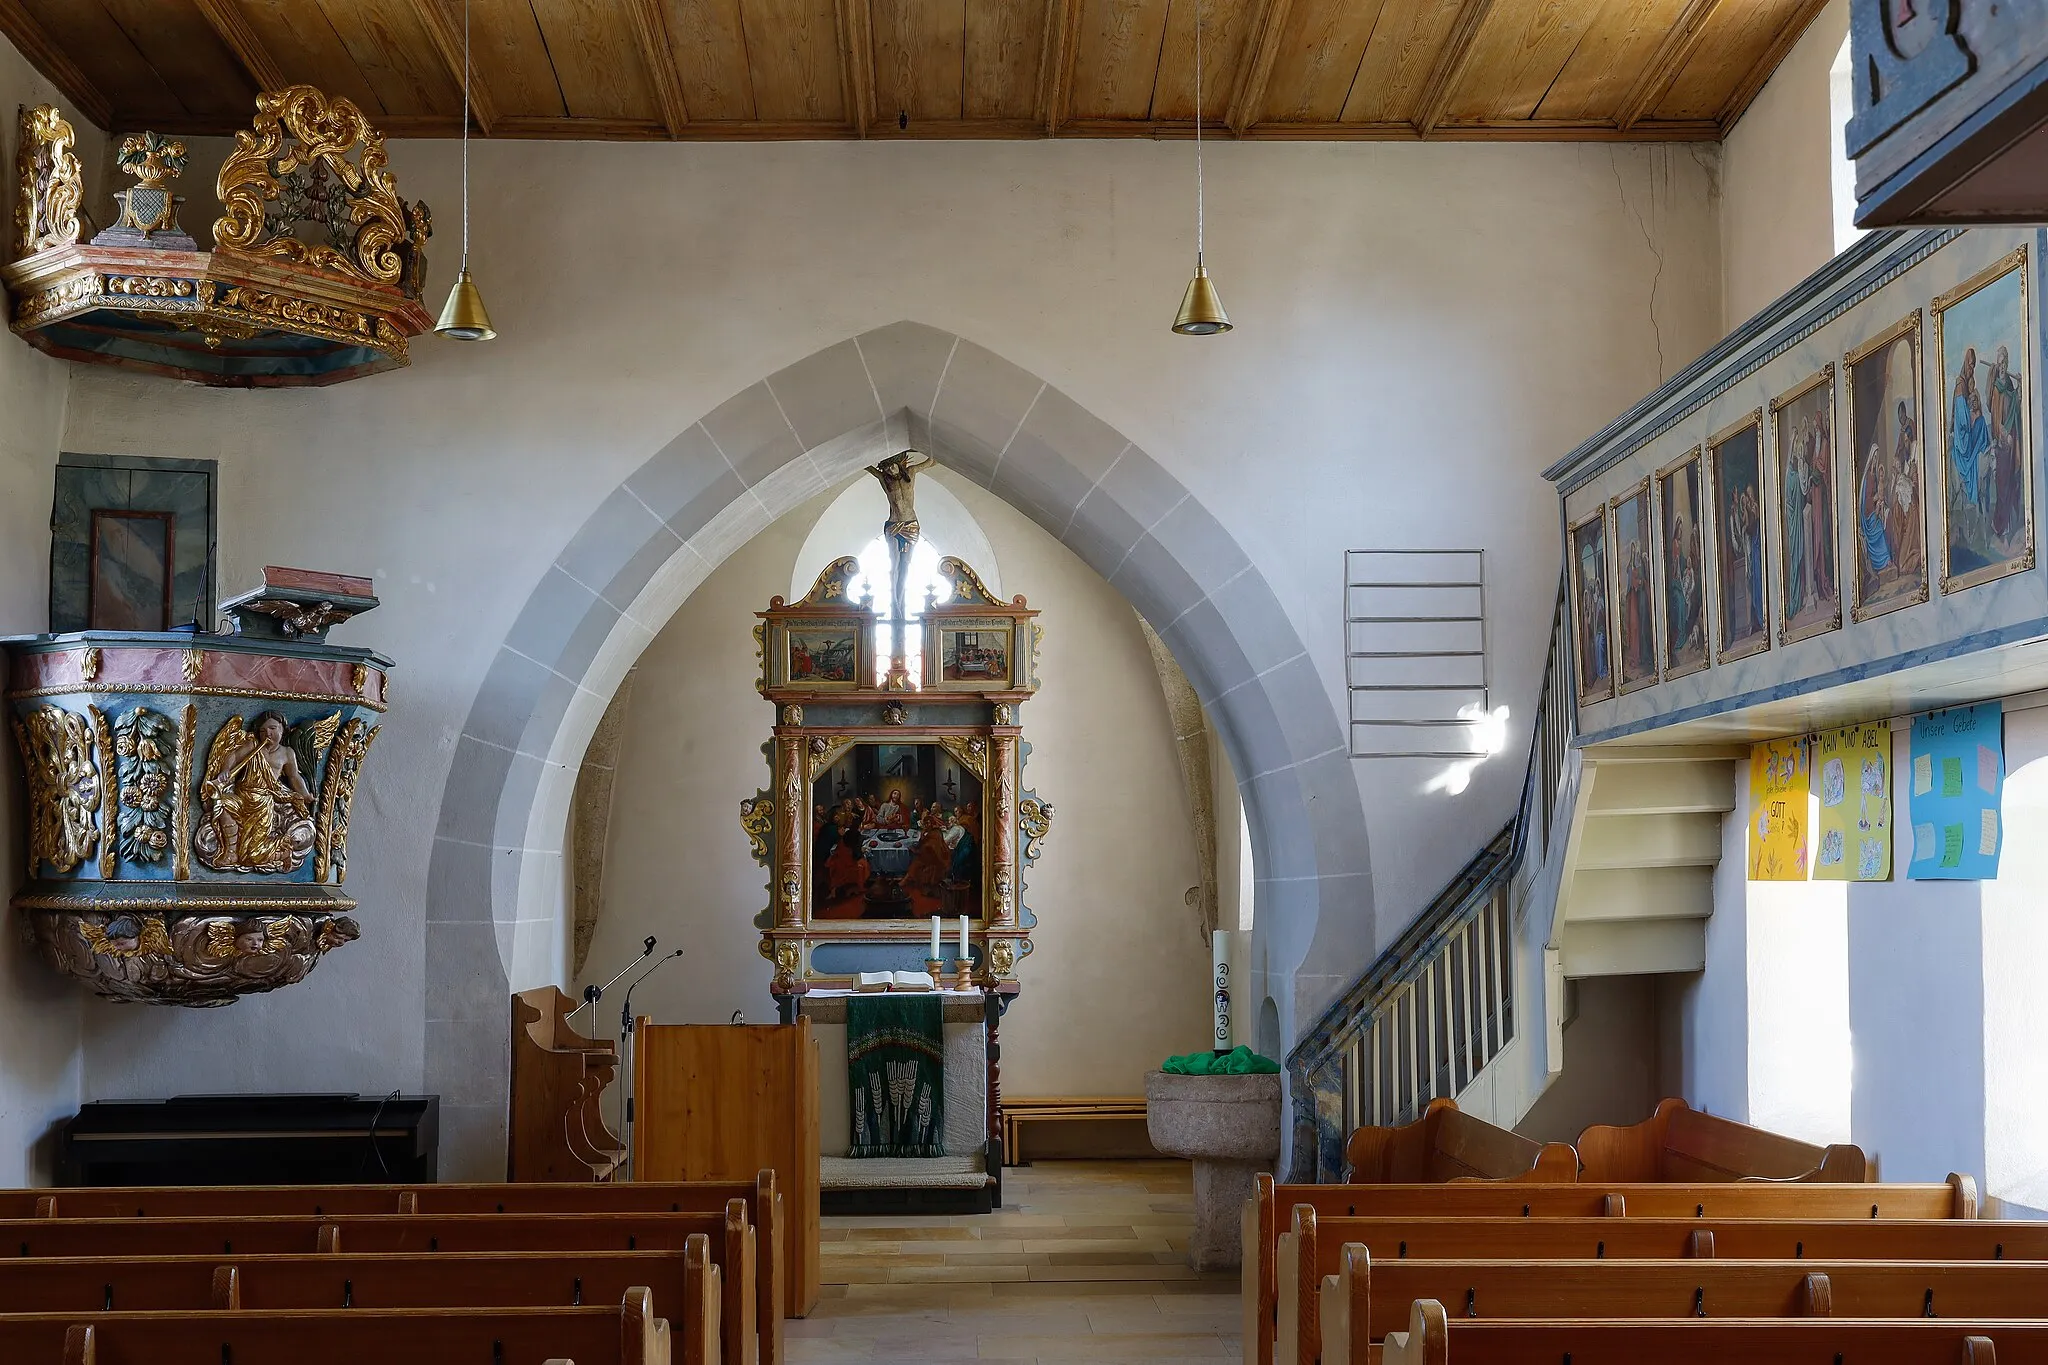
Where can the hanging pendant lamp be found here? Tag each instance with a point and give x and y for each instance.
(1201, 311)
(463, 317)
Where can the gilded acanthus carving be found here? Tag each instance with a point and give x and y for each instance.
(337, 797)
(52, 182)
(188, 959)
(966, 583)
(757, 818)
(1002, 958)
(826, 752)
(256, 809)
(972, 753)
(1034, 817)
(103, 747)
(57, 751)
(181, 841)
(834, 583)
(293, 167)
(145, 752)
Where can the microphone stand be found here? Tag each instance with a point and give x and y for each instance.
(626, 1031)
(594, 993)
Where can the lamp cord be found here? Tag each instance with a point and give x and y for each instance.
(1198, 133)
(465, 136)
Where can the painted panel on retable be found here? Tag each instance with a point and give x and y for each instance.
(896, 834)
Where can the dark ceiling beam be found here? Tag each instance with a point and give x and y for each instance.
(1678, 47)
(1249, 97)
(1450, 65)
(228, 22)
(856, 63)
(651, 28)
(29, 38)
(446, 33)
(1056, 64)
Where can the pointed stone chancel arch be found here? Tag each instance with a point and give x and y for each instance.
(495, 901)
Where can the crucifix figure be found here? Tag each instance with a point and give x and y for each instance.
(898, 477)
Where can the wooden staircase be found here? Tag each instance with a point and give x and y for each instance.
(1638, 883)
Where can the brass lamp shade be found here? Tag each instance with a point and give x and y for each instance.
(463, 317)
(1201, 312)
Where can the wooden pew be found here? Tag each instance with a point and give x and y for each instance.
(1435, 1337)
(1446, 1144)
(765, 1211)
(731, 1235)
(1446, 1206)
(1679, 1143)
(1366, 1298)
(628, 1334)
(557, 1129)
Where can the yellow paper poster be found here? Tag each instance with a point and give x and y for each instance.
(1852, 769)
(1777, 810)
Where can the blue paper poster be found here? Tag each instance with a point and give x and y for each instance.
(1958, 782)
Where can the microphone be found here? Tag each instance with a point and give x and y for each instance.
(626, 1010)
(594, 992)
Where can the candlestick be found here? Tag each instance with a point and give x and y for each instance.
(963, 974)
(963, 937)
(937, 971)
(935, 937)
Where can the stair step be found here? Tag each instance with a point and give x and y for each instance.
(1640, 893)
(1633, 949)
(1690, 840)
(1699, 786)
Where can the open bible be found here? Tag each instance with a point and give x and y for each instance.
(893, 981)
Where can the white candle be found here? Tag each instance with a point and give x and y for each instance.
(964, 950)
(935, 938)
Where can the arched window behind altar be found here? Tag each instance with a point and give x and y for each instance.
(848, 526)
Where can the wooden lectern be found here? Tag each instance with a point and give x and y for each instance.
(558, 1078)
(721, 1101)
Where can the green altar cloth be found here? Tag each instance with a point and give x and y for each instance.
(1239, 1061)
(894, 1049)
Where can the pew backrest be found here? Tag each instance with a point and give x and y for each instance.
(1436, 1336)
(1448, 1144)
(627, 1333)
(1680, 1143)
(355, 1233)
(1367, 1298)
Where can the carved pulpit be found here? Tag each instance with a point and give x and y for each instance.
(897, 796)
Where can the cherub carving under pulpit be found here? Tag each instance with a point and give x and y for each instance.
(255, 806)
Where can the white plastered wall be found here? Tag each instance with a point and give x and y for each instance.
(1118, 979)
(39, 1012)
(1902, 1016)
(1777, 175)
(1414, 323)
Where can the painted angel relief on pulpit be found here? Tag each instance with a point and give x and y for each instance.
(256, 809)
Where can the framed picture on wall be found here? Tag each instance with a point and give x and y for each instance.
(1635, 590)
(1803, 465)
(1987, 469)
(1681, 549)
(1592, 630)
(1889, 496)
(1736, 489)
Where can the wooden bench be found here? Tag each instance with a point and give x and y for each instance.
(1460, 1211)
(1436, 1337)
(1679, 1143)
(1446, 1144)
(1367, 1298)
(731, 1240)
(766, 1213)
(1017, 1113)
(628, 1334)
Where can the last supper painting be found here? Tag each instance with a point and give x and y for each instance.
(896, 834)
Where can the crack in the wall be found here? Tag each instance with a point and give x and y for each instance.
(1650, 242)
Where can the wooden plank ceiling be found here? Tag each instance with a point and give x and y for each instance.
(755, 69)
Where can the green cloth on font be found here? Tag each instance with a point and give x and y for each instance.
(1239, 1061)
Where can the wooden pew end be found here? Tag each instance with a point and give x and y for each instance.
(78, 1345)
(1979, 1351)
(1816, 1296)
(1426, 1342)
(227, 1288)
(1965, 1187)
